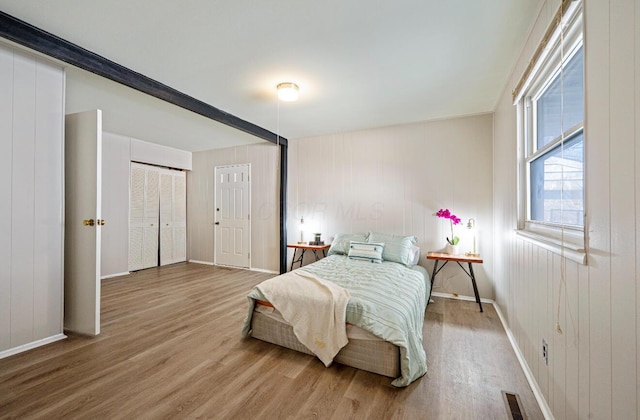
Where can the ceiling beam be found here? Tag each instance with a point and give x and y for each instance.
(27, 35)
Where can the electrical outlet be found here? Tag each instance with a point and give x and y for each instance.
(545, 352)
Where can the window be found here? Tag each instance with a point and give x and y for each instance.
(556, 161)
(550, 101)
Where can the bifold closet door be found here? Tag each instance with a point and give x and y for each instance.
(172, 217)
(144, 207)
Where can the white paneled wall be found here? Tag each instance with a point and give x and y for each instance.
(116, 158)
(393, 180)
(594, 365)
(265, 213)
(31, 210)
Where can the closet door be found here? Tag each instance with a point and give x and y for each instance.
(166, 218)
(173, 205)
(136, 217)
(179, 217)
(144, 207)
(151, 218)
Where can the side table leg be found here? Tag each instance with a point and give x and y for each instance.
(433, 280)
(294, 258)
(475, 287)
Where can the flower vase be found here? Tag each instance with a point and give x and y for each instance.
(452, 249)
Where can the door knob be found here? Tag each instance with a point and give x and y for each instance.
(89, 222)
(216, 223)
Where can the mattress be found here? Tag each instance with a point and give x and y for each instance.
(365, 351)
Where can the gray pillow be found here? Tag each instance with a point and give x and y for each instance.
(396, 248)
(341, 242)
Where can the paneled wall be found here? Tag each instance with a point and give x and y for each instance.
(116, 158)
(31, 208)
(265, 214)
(594, 364)
(393, 180)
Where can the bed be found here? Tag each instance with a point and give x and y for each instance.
(384, 313)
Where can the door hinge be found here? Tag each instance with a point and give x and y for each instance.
(248, 217)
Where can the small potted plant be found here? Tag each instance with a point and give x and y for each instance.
(452, 244)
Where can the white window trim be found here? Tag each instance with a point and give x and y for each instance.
(568, 241)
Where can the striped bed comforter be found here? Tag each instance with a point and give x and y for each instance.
(387, 299)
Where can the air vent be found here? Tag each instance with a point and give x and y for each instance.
(513, 405)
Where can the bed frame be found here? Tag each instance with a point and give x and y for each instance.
(375, 356)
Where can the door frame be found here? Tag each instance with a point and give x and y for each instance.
(215, 205)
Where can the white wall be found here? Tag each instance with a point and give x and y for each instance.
(117, 154)
(265, 213)
(594, 365)
(394, 180)
(116, 158)
(31, 208)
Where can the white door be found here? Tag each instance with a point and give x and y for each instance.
(166, 218)
(179, 217)
(232, 216)
(173, 217)
(83, 185)
(144, 208)
(151, 218)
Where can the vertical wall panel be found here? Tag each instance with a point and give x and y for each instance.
(116, 158)
(22, 200)
(31, 184)
(623, 281)
(598, 201)
(6, 168)
(637, 194)
(570, 332)
(48, 189)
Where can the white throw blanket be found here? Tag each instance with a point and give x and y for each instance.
(315, 308)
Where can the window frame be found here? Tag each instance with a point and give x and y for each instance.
(565, 239)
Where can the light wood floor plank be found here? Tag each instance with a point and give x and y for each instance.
(171, 348)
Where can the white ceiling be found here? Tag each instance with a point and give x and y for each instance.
(359, 63)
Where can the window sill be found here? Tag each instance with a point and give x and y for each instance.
(568, 250)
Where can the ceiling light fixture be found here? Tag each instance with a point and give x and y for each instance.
(288, 91)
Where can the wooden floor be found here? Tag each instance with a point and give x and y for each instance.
(171, 348)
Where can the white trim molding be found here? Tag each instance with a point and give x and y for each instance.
(31, 346)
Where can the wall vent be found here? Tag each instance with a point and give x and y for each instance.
(513, 405)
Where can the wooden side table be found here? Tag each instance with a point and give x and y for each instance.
(305, 247)
(439, 256)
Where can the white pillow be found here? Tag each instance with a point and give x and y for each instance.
(366, 251)
(414, 255)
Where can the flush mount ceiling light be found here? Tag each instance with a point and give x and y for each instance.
(287, 91)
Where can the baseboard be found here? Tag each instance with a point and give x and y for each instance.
(109, 276)
(262, 270)
(32, 345)
(201, 262)
(259, 270)
(460, 297)
(537, 392)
